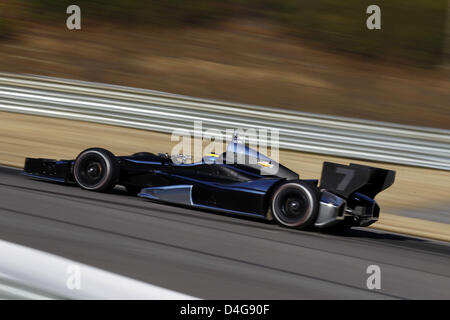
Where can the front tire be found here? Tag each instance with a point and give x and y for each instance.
(295, 204)
(96, 169)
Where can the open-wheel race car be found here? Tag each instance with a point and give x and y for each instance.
(240, 181)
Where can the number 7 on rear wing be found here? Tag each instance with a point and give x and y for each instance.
(355, 187)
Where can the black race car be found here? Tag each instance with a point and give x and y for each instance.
(239, 181)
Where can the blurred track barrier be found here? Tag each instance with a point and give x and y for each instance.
(164, 112)
(31, 274)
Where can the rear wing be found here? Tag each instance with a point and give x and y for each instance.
(345, 180)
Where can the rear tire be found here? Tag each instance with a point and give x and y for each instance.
(295, 204)
(96, 169)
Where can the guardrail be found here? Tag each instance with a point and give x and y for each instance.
(164, 112)
(27, 273)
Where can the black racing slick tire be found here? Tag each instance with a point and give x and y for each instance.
(96, 169)
(295, 204)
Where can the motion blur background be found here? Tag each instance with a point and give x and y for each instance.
(314, 55)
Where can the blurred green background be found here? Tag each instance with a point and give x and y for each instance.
(413, 30)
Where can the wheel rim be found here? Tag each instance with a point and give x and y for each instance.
(91, 171)
(292, 205)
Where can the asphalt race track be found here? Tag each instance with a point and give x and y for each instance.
(215, 256)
